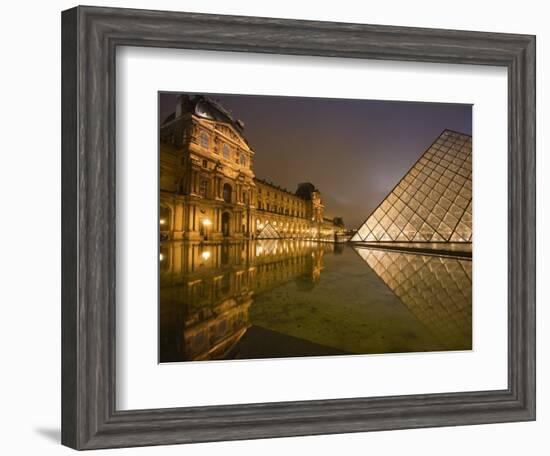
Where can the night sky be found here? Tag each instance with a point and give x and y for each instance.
(353, 151)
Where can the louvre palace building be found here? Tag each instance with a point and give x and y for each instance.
(208, 189)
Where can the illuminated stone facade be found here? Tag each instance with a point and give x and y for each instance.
(208, 189)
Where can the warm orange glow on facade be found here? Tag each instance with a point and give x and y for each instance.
(208, 189)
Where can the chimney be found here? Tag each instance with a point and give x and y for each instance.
(183, 105)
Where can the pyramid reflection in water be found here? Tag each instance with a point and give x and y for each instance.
(433, 201)
(436, 289)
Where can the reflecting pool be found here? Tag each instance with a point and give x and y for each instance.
(284, 298)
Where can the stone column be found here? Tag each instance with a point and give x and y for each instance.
(178, 221)
(186, 225)
(210, 192)
(192, 183)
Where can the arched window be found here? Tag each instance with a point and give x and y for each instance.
(227, 190)
(203, 188)
(165, 222)
(226, 151)
(204, 140)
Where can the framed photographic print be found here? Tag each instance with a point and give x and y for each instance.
(280, 228)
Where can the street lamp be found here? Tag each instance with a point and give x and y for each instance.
(206, 222)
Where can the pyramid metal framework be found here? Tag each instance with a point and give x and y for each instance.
(432, 202)
(268, 232)
(436, 289)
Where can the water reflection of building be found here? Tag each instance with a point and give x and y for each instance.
(436, 289)
(208, 190)
(216, 283)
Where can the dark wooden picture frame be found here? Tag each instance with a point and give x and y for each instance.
(90, 36)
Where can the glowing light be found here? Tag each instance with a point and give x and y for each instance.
(206, 222)
(162, 221)
(205, 255)
(161, 257)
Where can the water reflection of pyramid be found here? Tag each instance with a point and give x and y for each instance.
(268, 232)
(432, 202)
(436, 289)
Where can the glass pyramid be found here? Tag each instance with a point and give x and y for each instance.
(436, 289)
(432, 202)
(268, 232)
